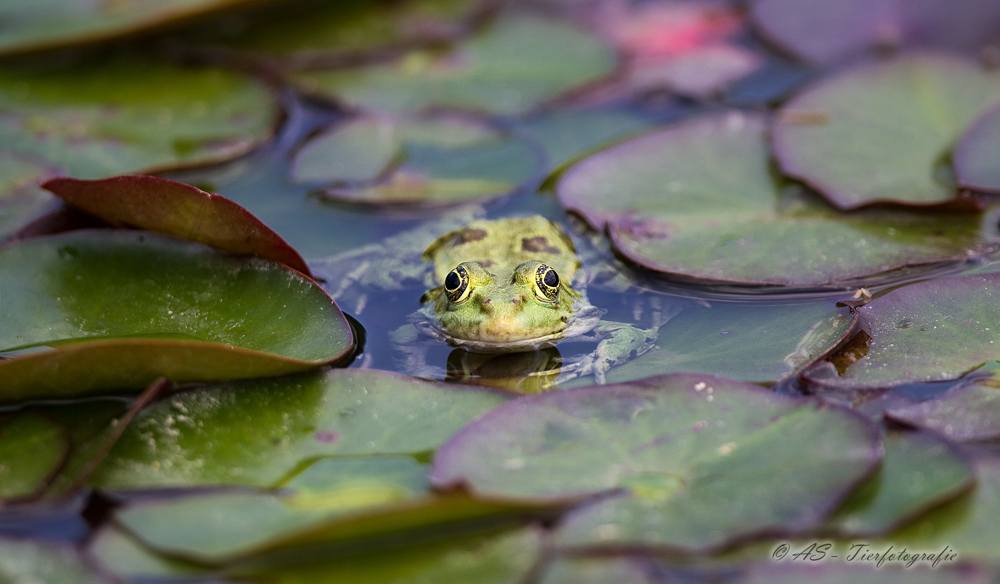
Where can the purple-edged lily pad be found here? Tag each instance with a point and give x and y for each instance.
(125, 114)
(702, 459)
(340, 412)
(442, 160)
(920, 471)
(822, 31)
(883, 132)
(32, 449)
(936, 330)
(89, 311)
(966, 413)
(977, 157)
(510, 68)
(698, 199)
(166, 206)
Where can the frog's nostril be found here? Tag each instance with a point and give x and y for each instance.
(515, 301)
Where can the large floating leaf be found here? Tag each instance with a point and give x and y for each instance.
(20, 198)
(920, 471)
(202, 437)
(748, 341)
(509, 69)
(317, 32)
(166, 206)
(32, 448)
(977, 160)
(597, 571)
(94, 310)
(826, 30)
(125, 114)
(860, 571)
(705, 459)
(935, 330)
(442, 160)
(967, 412)
(26, 562)
(883, 131)
(121, 555)
(698, 199)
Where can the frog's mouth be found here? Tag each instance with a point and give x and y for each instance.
(583, 320)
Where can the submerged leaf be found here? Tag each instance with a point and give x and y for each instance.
(89, 311)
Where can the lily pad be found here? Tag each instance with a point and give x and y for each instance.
(89, 311)
(823, 31)
(511, 68)
(747, 341)
(26, 562)
(125, 114)
(21, 201)
(440, 160)
(698, 199)
(966, 413)
(977, 162)
(202, 437)
(43, 25)
(32, 449)
(837, 571)
(703, 459)
(119, 554)
(333, 501)
(883, 132)
(920, 472)
(936, 330)
(173, 208)
(598, 571)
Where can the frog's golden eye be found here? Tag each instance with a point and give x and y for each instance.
(456, 285)
(546, 283)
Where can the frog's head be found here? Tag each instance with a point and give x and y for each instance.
(530, 302)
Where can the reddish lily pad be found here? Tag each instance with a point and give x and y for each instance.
(698, 199)
(966, 413)
(374, 159)
(201, 437)
(920, 472)
(883, 132)
(977, 160)
(33, 447)
(511, 68)
(125, 114)
(173, 208)
(823, 31)
(936, 330)
(703, 459)
(43, 25)
(89, 311)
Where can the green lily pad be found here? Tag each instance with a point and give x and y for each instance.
(838, 571)
(119, 554)
(43, 25)
(21, 200)
(823, 31)
(380, 160)
(747, 341)
(91, 428)
(920, 472)
(89, 311)
(936, 330)
(318, 33)
(883, 132)
(698, 199)
(33, 447)
(977, 163)
(966, 413)
(173, 208)
(499, 559)
(597, 571)
(26, 562)
(333, 501)
(967, 526)
(511, 68)
(704, 459)
(202, 438)
(125, 114)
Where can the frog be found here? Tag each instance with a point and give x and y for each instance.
(495, 286)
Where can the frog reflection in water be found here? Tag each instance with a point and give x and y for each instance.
(506, 286)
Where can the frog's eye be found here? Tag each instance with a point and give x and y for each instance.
(546, 283)
(456, 285)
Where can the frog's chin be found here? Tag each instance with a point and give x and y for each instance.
(580, 323)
